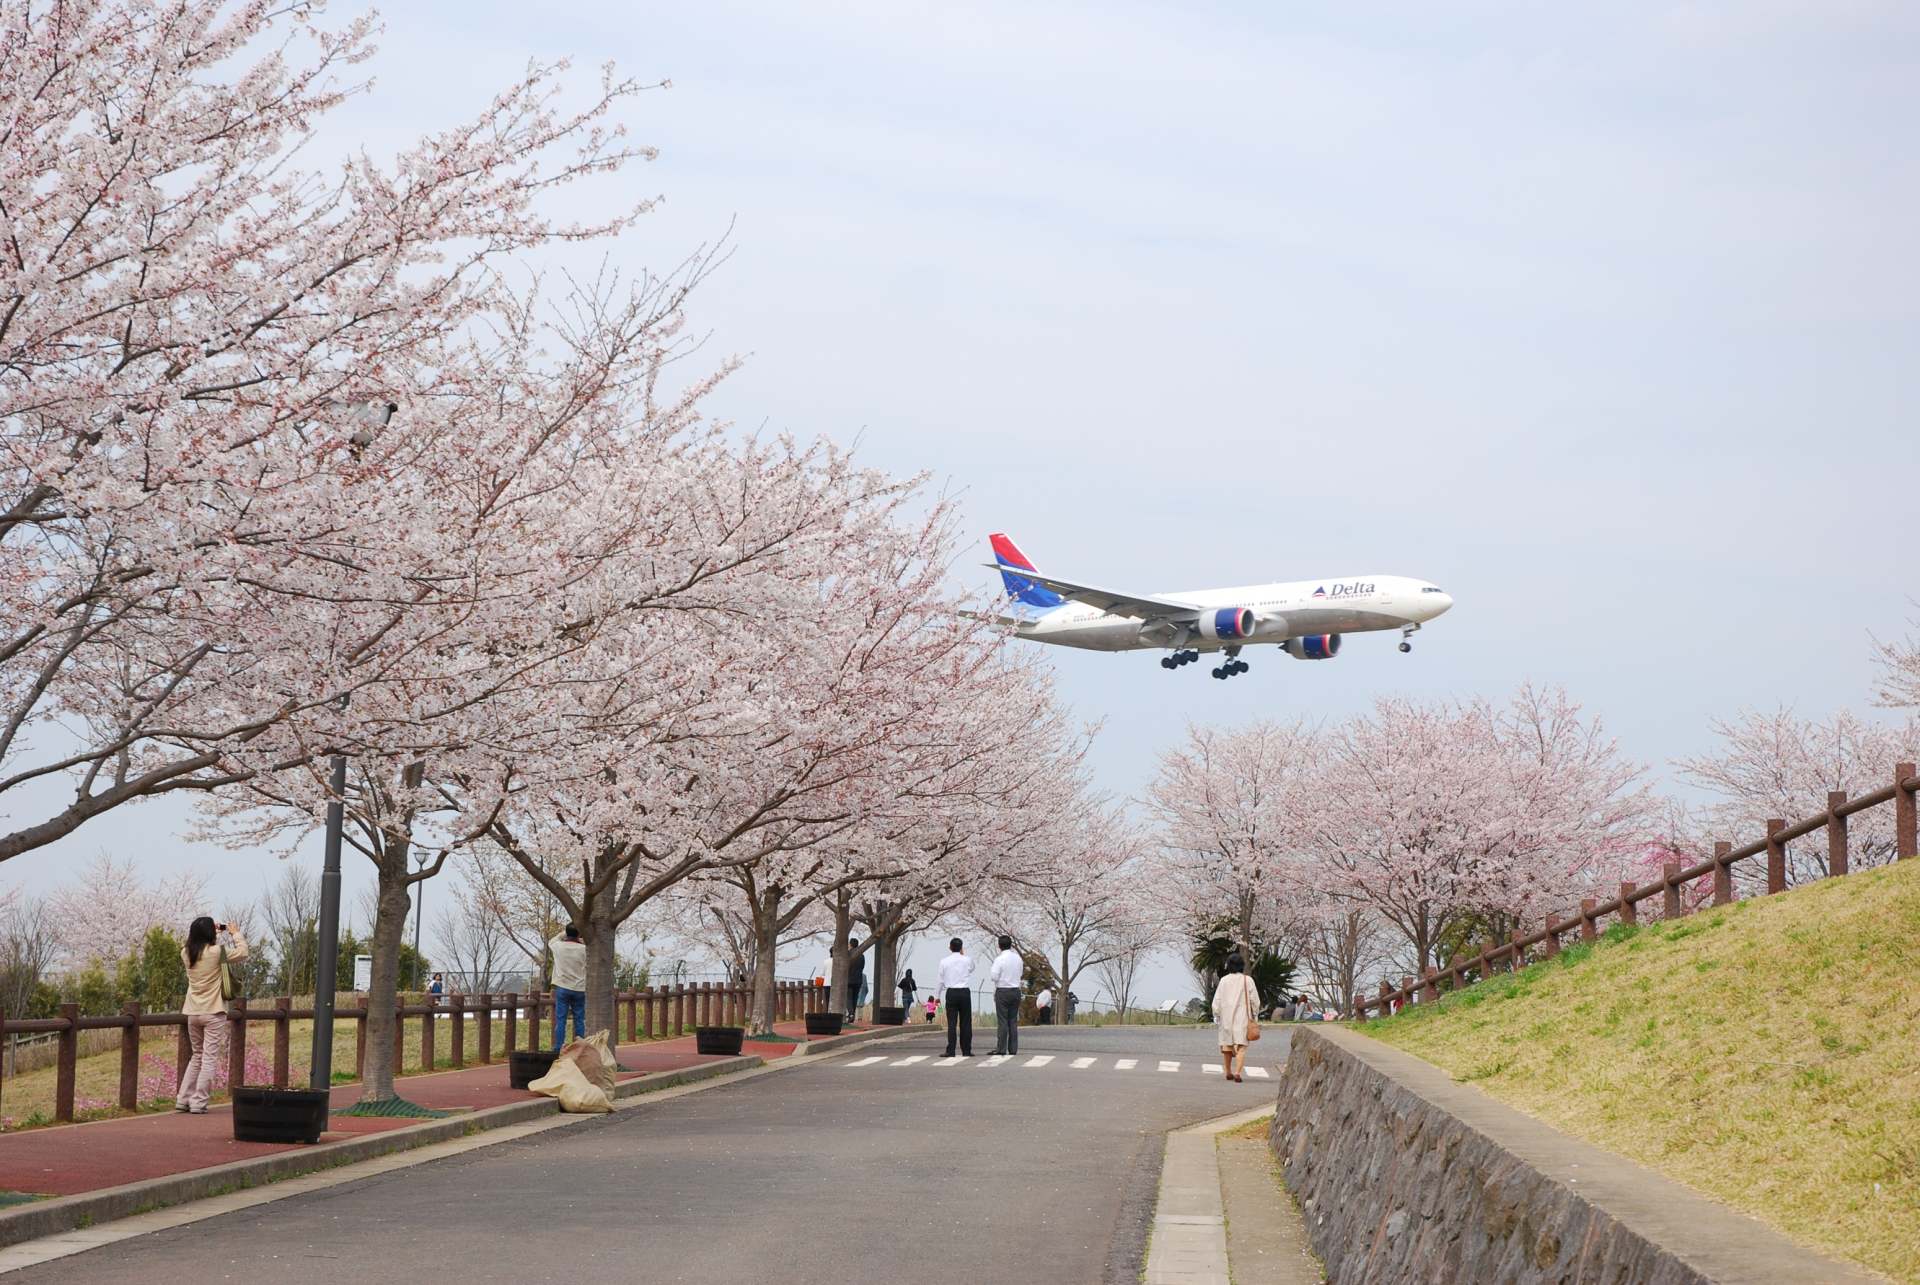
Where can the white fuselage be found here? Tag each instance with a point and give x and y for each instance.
(1291, 609)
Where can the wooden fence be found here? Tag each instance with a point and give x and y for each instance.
(1670, 887)
(657, 1012)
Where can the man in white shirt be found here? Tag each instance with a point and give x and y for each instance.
(956, 981)
(1005, 974)
(1043, 1005)
(569, 985)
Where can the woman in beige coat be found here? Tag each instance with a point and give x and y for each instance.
(1235, 1004)
(205, 1008)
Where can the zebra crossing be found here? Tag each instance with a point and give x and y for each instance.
(1048, 1061)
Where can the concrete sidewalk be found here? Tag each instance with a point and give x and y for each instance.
(74, 1160)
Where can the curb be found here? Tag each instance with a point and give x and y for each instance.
(834, 1043)
(88, 1209)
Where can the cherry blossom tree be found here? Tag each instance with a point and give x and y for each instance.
(1780, 764)
(204, 547)
(107, 910)
(1899, 685)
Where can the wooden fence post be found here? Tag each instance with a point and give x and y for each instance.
(428, 1054)
(236, 1044)
(510, 1009)
(1553, 936)
(360, 1039)
(1429, 991)
(457, 1037)
(1669, 889)
(1588, 930)
(68, 1055)
(1836, 834)
(1629, 913)
(282, 1039)
(1518, 959)
(1722, 873)
(679, 1007)
(486, 1028)
(1386, 1000)
(1905, 841)
(633, 1016)
(130, 1058)
(1776, 857)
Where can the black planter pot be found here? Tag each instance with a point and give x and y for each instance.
(723, 1040)
(825, 1023)
(528, 1065)
(884, 1015)
(278, 1115)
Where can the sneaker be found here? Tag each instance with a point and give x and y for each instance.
(196, 1110)
(182, 1107)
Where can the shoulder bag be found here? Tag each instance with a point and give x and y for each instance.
(1253, 1018)
(226, 976)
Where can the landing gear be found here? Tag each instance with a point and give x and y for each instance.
(1231, 668)
(1406, 632)
(1178, 659)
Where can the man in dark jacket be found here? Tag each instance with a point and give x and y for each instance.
(856, 980)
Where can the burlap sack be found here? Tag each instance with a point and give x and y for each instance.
(596, 1059)
(576, 1090)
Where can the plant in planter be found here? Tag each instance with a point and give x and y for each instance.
(825, 1023)
(721, 1040)
(889, 1015)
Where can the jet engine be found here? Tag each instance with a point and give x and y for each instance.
(1313, 647)
(1228, 624)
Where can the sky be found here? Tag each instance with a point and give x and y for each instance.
(1601, 317)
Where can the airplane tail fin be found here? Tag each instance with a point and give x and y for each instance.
(1019, 588)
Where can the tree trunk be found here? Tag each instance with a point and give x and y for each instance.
(599, 933)
(886, 964)
(838, 953)
(766, 932)
(389, 927)
(1062, 1010)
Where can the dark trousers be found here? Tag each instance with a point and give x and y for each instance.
(960, 1020)
(1006, 1011)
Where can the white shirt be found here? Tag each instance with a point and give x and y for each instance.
(1006, 970)
(956, 973)
(569, 964)
(1044, 998)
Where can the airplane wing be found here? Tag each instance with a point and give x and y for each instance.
(1120, 604)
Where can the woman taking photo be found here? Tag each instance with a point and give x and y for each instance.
(210, 948)
(1235, 1002)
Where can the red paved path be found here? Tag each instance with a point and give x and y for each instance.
(69, 1159)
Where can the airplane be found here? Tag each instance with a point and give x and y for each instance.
(1304, 618)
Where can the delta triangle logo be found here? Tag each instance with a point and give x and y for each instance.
(1321, 592)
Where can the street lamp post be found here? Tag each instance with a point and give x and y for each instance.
(419, 907)
(373, 417)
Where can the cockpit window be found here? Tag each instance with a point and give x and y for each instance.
(1431, 589)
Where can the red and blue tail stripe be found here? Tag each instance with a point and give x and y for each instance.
(1019, 588)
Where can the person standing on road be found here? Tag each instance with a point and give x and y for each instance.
(956, 980)
(908, 989)
(1005, 975)
(1235, 1001)
(569, 985)
(1043, 1007)
(856, 981)
(209, 988)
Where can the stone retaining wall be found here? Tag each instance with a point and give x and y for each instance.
(1405, 1176)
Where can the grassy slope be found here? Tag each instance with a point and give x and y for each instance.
(1765, 1053)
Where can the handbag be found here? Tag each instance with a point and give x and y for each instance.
(1253, 1019)
(226, 977)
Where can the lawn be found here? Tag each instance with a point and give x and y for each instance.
(1765, 1053)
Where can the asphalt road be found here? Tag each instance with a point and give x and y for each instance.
(827, 1173)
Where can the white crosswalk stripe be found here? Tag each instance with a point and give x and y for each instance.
(996, 1059)
(909, 1061)
(1169, 1066)
(1210, 1069)
(865, 1061)
(1125, 1064)
(1082, 1063)
(1257, 1072)
(949, 1061)
(1042, 1060)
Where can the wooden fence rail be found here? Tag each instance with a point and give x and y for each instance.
(655, 1013)
(1670, 887)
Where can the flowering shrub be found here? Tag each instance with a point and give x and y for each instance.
(159, 1081)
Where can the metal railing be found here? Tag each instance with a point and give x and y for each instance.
(1670, 887)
